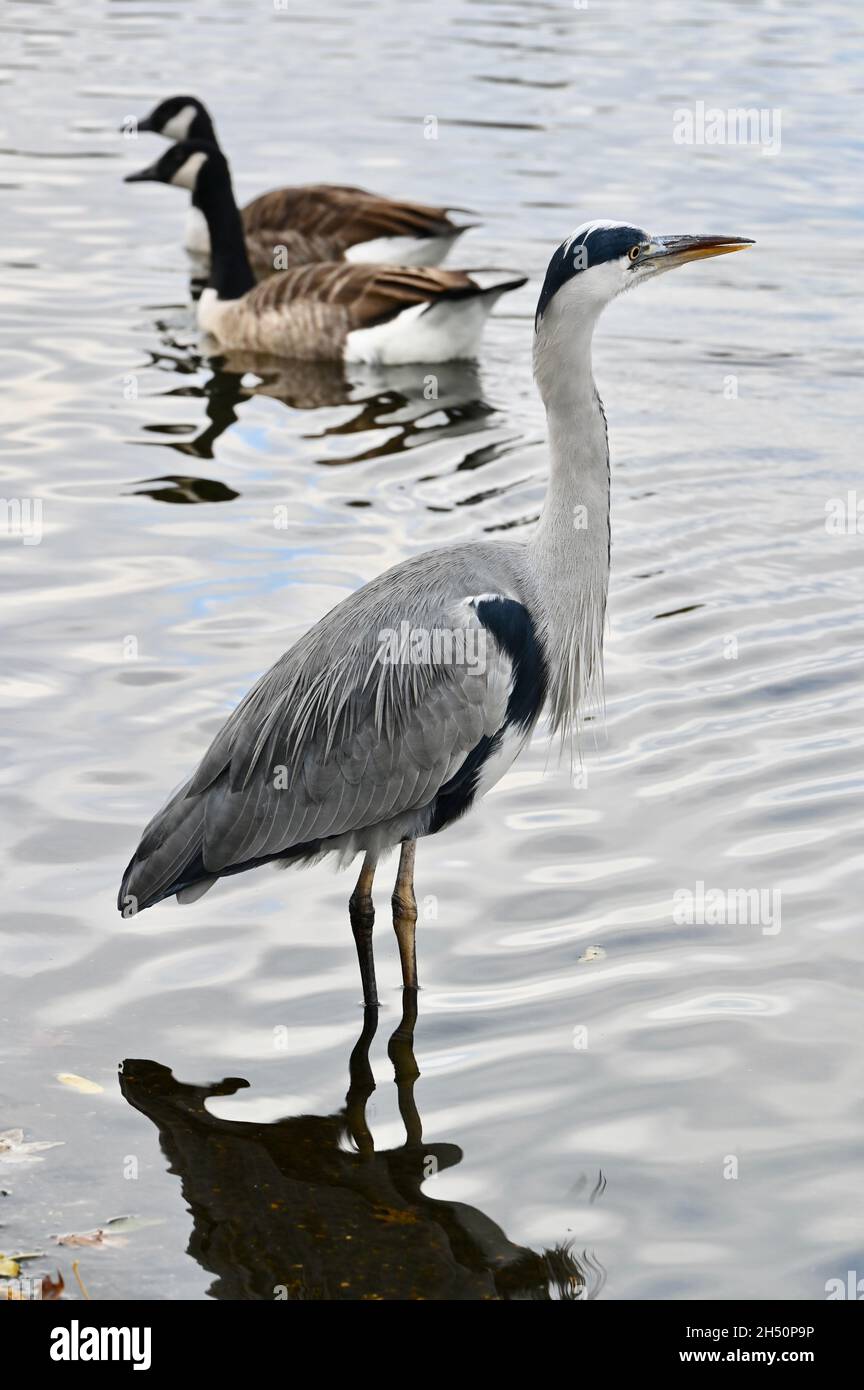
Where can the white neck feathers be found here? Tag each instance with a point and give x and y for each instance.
(569, 552)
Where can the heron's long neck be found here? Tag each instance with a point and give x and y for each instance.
(230, 273)
(569, 552)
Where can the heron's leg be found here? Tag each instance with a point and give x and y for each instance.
(362, 913)
(361, 1085)
(405, 914)
(400, 1050)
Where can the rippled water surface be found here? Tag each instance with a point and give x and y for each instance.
(611, 1099)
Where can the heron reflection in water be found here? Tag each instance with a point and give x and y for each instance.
(308, 1209)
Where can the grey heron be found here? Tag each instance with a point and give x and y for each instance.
(413, 696)
(329, 311)
(314, 222)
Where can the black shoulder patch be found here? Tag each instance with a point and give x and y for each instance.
(510, 624)
(455, 797)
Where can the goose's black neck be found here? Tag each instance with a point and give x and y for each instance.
(230, 273)
(202, 128)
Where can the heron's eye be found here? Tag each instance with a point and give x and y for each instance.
(634, 253)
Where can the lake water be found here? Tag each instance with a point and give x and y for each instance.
(615, 1102)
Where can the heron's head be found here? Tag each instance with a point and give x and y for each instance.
(180, 118)
(602, 259)
(189, 164)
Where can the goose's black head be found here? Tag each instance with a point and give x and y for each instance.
(180, 118)
(193, 164)
(601, 259)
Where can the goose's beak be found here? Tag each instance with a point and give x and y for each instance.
(145, 124)
(149, 175)
(667, 252)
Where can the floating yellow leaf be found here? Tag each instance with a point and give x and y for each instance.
(79, 1083)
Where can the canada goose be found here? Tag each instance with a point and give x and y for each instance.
(328, 311)
(313, 222)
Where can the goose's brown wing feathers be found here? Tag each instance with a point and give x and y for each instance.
(367, 294)
(343, 216)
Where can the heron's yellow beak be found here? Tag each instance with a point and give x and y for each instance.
(669, 251)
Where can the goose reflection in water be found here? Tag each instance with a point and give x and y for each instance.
(415, 404)
(307, 1208)
(401, 407)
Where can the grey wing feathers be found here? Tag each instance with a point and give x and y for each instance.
(335, 736)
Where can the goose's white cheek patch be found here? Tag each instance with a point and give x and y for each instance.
(188, 172)
(179, 126)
